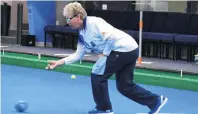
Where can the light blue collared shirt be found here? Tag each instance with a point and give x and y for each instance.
(98, 36)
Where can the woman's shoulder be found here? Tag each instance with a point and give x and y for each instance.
(94, 19)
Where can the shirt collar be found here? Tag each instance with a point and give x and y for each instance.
(84, 22)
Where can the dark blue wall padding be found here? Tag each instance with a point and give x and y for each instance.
(170, 23)
(193, 28)
(132, 20)
(158, 21)
(182, 24)
(147, 20)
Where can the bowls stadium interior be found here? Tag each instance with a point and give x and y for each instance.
(33, 32)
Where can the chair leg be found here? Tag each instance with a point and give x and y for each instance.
(53, 40)
(143, 49)
(167, 51)
(160, 50)
(176, 52)
(63, 43)
(162, 53)
(173, 51)
(154, 50)
(188, 52)
(192, 53)
(148, 49)
(62, 40)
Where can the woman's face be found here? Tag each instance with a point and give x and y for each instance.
(74, 22)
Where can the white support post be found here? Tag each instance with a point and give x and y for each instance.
(3, 51)
(39, 56)
(140, 37)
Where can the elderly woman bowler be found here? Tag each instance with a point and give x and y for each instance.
(117, 53)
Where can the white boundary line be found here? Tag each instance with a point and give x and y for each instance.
(162, 113)
(146, 62)
(4, 46)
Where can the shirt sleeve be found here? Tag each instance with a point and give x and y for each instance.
(79, 54)
(105, 31)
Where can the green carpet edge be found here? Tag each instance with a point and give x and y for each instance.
(142, 78)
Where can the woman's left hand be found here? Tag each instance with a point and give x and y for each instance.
(51, 64)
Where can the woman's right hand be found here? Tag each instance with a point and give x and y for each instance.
(51, 64)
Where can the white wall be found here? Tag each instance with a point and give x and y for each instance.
(152, 5)
(159, 5)
(177, 6)
(13, 25)
(59, 11)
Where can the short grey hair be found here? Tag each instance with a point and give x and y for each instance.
(73, 9)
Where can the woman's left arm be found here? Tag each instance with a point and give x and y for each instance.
(109, 45)
(105, 31)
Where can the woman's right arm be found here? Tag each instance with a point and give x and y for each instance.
(79, 54)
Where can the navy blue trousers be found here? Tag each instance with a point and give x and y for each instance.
(123, 65)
